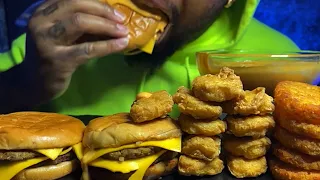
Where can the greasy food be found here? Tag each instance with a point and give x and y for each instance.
(201, 127)
(194, 167)
(159, 104)
(255, 126)
(218, 88)
(200, 147)
(296, 159)
(304, 129)
(245, 168)
(284, 171)
(298, 102)
(190, 105)
(247, 147)
(255, 102)
(299, 143)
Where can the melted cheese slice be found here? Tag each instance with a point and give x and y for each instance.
(173, 144)
(11, 168)
(138, 165)
(78, 150)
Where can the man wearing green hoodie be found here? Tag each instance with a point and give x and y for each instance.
(68, 68)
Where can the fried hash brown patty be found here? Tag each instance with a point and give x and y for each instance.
(134, 153)
(190, 105)
(298, 102)
(284, 171)
(218, 88)
(246, 146)
(245, 168)
(296, 159)
(255, 126)
(194, 167)
(201, 127)
(255, 102)
(200, 147)
(159, 104)
(299, 143)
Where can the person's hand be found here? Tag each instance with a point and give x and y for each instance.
(58, 29)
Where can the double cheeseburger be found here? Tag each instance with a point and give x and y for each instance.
(39, 146)
(144, 23)
(117, 148)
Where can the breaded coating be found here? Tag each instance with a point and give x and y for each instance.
(284, 171)
(244, 168)
(194, 167)
(299, 143)
(298, 102)
(255, 102)
(201, 127)
(255, 126)
(201, 147)
(218, 88)
(247, 147)
(304, 129)
(190, 105)
(296, 158)
(158, 105)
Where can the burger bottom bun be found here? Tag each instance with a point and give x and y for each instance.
(155, 171)
(48, 172)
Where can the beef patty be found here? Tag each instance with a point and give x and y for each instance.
(135, 153)
(66, 157)
(18, 155)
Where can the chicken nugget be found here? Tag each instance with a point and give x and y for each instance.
(255, 126)
(201, 127)
(190, 105)
(284, 171)
(247, 147)
(302, 144)
(298, 101)
(159, 104)
(218, 88)
(200, 147)
(244, 168)
(194, 167)
(255, 102)
(301, 128)
(296, 159)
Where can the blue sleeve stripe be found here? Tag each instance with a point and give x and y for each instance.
(23, 19)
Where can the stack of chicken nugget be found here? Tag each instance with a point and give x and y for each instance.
(249, 120)
(297, 116)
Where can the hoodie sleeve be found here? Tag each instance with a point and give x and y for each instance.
(15, 55)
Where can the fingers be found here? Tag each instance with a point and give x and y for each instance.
(66, 32)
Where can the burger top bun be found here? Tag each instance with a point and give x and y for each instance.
(38, 130)
(145, 24)
(117, 130)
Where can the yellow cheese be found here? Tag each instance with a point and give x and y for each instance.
(9, 169)
(138, 165)
(173, 144)
(50, 153)
(78, 150)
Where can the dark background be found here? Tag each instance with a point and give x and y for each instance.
(298, 19)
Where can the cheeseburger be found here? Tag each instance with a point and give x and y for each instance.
(117, 148)
(144, 23)
(39, 146)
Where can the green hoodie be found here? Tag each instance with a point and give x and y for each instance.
(108, 85)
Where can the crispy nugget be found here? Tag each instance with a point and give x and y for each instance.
(247, 147)
(299, 143)
(255, 102)
(200, 147)
(298, 102)
(201, 127)
(296, 159)
(159, 104)
(244, 168)
(284, 171)
(190, 105)
(218, 88)
(255, 126)
(194, 167)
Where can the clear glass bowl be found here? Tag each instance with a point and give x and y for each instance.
(263, 68)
